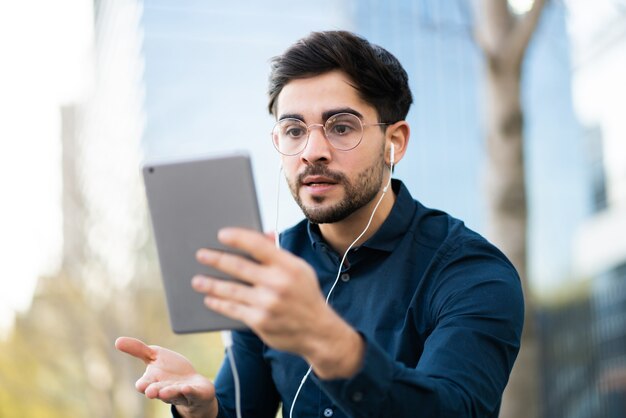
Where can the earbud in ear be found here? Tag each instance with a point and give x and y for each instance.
(392, 160)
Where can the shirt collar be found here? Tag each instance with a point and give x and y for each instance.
(390, 232)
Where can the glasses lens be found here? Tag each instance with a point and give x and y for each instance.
(289, 136)
(344, 131)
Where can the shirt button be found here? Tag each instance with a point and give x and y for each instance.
(357, 396)
(328, 412)
(345, 277)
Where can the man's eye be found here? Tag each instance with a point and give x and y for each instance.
(295, 132)
(341, 129)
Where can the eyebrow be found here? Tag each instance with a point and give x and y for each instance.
(332, 112)
(326, 115)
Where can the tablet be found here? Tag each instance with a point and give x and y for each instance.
(189, 202)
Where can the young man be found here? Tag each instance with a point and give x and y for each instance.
(424, 316)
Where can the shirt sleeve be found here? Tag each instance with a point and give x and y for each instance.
(220, 413)
(475, 306)
(259, 397)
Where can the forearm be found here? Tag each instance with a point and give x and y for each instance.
(179, 411)
(462, 371)
(384, 387)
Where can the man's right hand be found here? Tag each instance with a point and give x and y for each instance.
(170, 377)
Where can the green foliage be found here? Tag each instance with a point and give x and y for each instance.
(60, 361)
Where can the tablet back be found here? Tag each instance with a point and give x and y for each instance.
(190, 201)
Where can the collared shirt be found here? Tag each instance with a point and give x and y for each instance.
(440, 311)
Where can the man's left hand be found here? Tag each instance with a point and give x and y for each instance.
(281, 301)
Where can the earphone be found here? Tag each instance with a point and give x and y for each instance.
(392, 160)
(227, 338)
(276, 237)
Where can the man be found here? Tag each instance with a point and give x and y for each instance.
(424, 316)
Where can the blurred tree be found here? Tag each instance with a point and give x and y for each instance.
(60, 359)
(503, 37)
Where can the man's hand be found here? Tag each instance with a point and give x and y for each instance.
(171, 378)
(283, 304)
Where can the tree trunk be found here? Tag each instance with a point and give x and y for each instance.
(503, 39)
(507, 222)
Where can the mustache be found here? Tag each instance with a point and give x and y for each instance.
(321, 170)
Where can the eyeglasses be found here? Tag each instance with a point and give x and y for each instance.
(344, 131)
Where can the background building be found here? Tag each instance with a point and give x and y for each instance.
(203, 72)
(163, 79)
(199, 65)
(590, 377)
(207, 65)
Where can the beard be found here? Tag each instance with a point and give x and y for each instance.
(357, 194)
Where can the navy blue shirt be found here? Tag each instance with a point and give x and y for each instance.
(440, 311)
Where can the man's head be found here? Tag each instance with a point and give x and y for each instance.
(375, 73)
(340, 104)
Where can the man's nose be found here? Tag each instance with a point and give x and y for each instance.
(317, 148)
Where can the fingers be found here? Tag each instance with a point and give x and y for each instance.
(244, 313)
(225, 289)
(257, 245)
(180, 393)
(231, 264)
(271, 235)
(135, 348)
(174, 393)
(152, 390)
(260, 246)
(233, 299)
(237, 301)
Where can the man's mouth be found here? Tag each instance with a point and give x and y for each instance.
(317, 181)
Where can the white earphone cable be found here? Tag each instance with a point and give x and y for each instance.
(343, 259)
(227, 339)
(227, 336)
(276, 235)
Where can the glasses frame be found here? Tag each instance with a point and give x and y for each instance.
(323, 126)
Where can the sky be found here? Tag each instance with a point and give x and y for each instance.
(46, 58)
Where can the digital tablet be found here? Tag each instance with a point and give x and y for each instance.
(189, 202)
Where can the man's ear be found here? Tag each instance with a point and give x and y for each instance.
(398, 135)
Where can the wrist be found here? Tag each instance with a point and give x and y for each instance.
(209, 411)
(337, 353)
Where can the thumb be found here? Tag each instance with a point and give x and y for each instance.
(136, 348)
(271, 235)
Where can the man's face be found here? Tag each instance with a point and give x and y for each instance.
(329, 184)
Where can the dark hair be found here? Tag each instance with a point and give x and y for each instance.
(377, 75)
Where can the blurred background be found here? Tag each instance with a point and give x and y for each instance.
(90, 89)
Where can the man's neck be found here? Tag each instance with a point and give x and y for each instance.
(340, 235)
